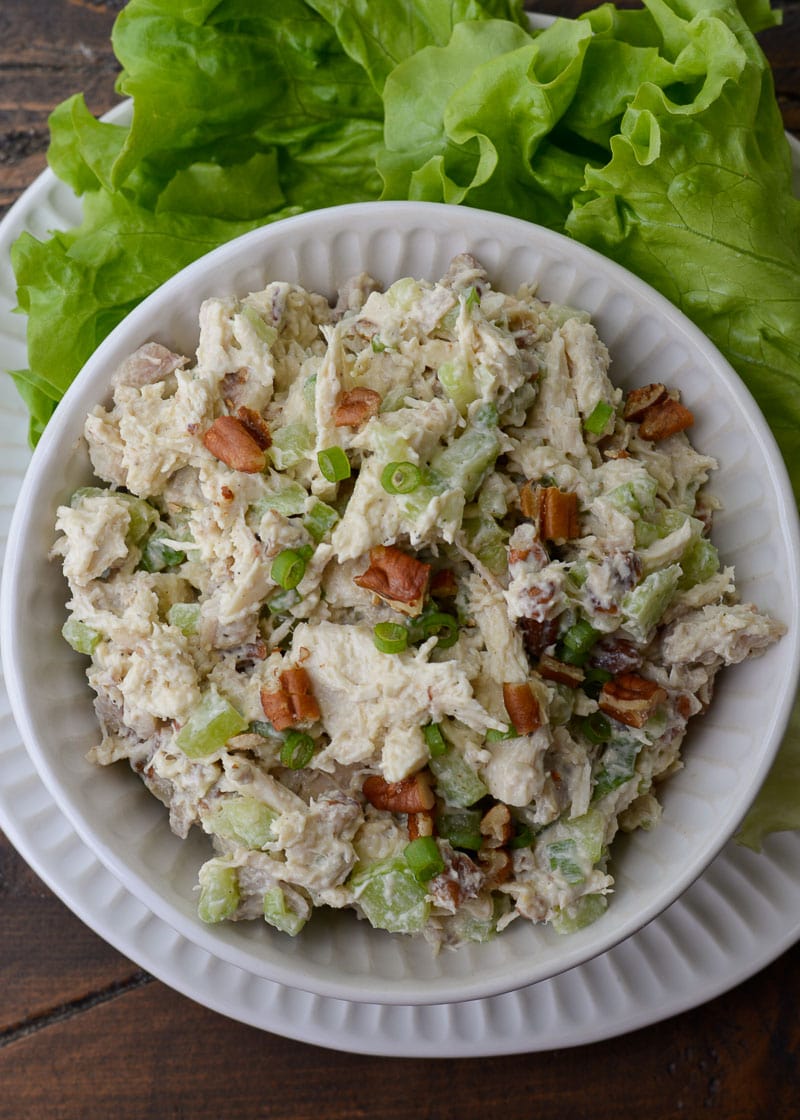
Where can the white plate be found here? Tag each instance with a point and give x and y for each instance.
(737, 918)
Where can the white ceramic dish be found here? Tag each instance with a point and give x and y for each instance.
(726, 761)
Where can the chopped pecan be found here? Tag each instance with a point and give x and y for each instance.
(529, 500)
(230, 440)
(410, 795)
(297, 684)
(355, 406)
(397, 578)
(631, 699)
(496, 826)
(293, 702)
(461, 879)
(558, 671)
(277, 708)
(443, 584)
(533, 555)
(420, 824)
(522, 707)
(496, 865)
(537, 636)
(616, 655)
(665, 419)
(639, 400)
(558, 514)
(256, 426)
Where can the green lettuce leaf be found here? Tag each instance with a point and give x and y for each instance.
(445, 140)
(380, 34)
(696, 199)
(777, 807)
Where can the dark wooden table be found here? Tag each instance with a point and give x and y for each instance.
(85, 1034)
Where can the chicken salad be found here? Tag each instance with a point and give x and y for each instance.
(400, 600)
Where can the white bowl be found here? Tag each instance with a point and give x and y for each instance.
(727, 753)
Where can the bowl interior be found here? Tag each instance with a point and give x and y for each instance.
(727, 753)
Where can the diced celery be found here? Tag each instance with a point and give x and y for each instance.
(213, 722)
(290, 500)
(635, 497)
(310, 392)
(424, 858)
(488, 541)
(699, 562)
(403, 294)
(617, 766)
(576, 845)
(468, 927)
(492, 499)
(186, 616)
(320, 519)
(82, 638)
(581, 913)
(157, 554)
(465, 461)
(391, 896)
(265, 332)
(588, 832)
(279, 914)
(290, 445)
(458, 380)
(219, 891)
(462, 827)
(562, 856)
(142, 515)
(643, 606)
(388, 444)
(395, 398)
(645, 533)
(246, 820)
(456, 781)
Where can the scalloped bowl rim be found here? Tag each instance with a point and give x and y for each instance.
(469, 229)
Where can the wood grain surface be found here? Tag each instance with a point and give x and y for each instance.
(86, 1035)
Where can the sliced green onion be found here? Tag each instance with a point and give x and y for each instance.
(522, 838)
(424, 858)
(596, 728)
(432, 734)
(462, 827)
(334, 464)
(378, 346)
(472, 298)
(593, 681)
(283, 601)
(288, 568)
(441, 625)
(264, 728)
(576, 643)
(390, 637)
(495, 736)
(297, 750)
(597, 419)
(400, 478)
